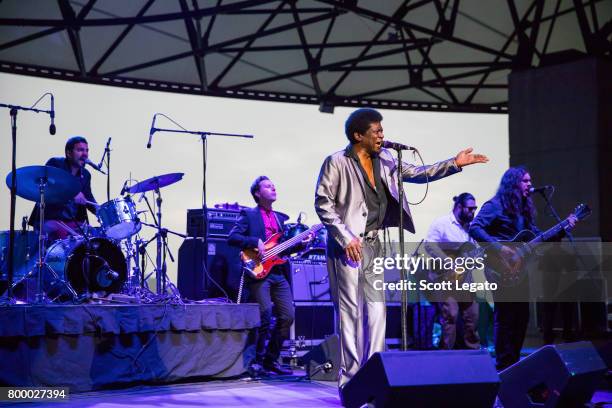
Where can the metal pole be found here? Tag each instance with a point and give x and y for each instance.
(403, 275)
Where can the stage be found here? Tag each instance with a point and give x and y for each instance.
(279, 392)
(89, 347)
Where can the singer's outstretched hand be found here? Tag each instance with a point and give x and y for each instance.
(466, 157)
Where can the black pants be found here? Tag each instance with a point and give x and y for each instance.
(275, 291)
(548, 310)
(510, 323)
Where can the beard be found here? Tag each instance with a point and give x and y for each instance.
(465, 218)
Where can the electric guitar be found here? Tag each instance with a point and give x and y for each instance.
(509, 271)
(259, 268)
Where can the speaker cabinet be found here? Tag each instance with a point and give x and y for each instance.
(424, 379)
(313, 320)
(563, 375)
(223, 267)
(323, 361)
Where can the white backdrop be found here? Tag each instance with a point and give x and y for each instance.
(291, 141)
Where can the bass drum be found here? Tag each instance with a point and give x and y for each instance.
(107, 266)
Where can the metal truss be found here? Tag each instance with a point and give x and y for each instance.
(413, 55)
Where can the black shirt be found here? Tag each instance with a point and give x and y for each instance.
(70, 211)
(493, 224)
(375, 196)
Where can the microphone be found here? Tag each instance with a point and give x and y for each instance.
(124, 188)
(153, 130)
(52, 129)
(105, 276)
(396, 146)
(106, 149)
(94, 165)
(539, 189)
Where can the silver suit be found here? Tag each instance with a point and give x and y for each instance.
(341, 205)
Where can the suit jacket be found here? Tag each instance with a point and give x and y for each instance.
(249, 228)
(340, 192)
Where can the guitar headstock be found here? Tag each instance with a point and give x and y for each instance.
(582, 211)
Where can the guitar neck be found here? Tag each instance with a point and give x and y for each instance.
(290, 242)
(548, 234)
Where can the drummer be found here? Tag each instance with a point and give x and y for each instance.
(64, 220)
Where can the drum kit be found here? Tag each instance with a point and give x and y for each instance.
(91, 262)
(315, 249)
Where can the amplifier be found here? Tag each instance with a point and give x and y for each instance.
(313, 321)
(310, 281)
(220, 222)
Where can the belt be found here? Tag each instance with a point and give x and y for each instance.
(371, 236)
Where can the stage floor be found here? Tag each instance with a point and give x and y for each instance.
(285, 392)
(278, 392)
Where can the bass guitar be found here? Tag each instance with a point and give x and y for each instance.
(258, 267)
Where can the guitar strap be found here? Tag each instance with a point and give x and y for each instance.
(278, 223)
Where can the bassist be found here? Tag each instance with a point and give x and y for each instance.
(252, 229)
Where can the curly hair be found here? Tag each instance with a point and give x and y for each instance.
(509, 193)
(359, 121)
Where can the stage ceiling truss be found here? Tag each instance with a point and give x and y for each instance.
(440, 55)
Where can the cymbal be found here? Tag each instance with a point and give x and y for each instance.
(61, 185)
(156, 182)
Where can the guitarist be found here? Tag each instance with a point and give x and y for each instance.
(510, 211)
(252, 229)
(444, 239)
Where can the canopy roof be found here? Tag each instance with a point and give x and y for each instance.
(446, 55)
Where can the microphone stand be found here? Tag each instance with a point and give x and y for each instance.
(570, 237)
(403, 273)
(13, 110)
(203, 137)
(107, 156)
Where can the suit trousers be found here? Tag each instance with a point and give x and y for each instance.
(273, 294)
(362, 332)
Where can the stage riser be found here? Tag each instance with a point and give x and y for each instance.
(47, 346)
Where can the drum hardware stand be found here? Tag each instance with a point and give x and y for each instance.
(203, 137)
(135, 284)
(85, 270)
(41, 296)
(13, 113)
(163, 250)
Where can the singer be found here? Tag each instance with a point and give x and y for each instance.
(355, 197)
(62, 219)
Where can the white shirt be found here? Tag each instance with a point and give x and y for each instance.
(447, 229)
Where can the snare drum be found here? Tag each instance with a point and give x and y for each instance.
(118, 217)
